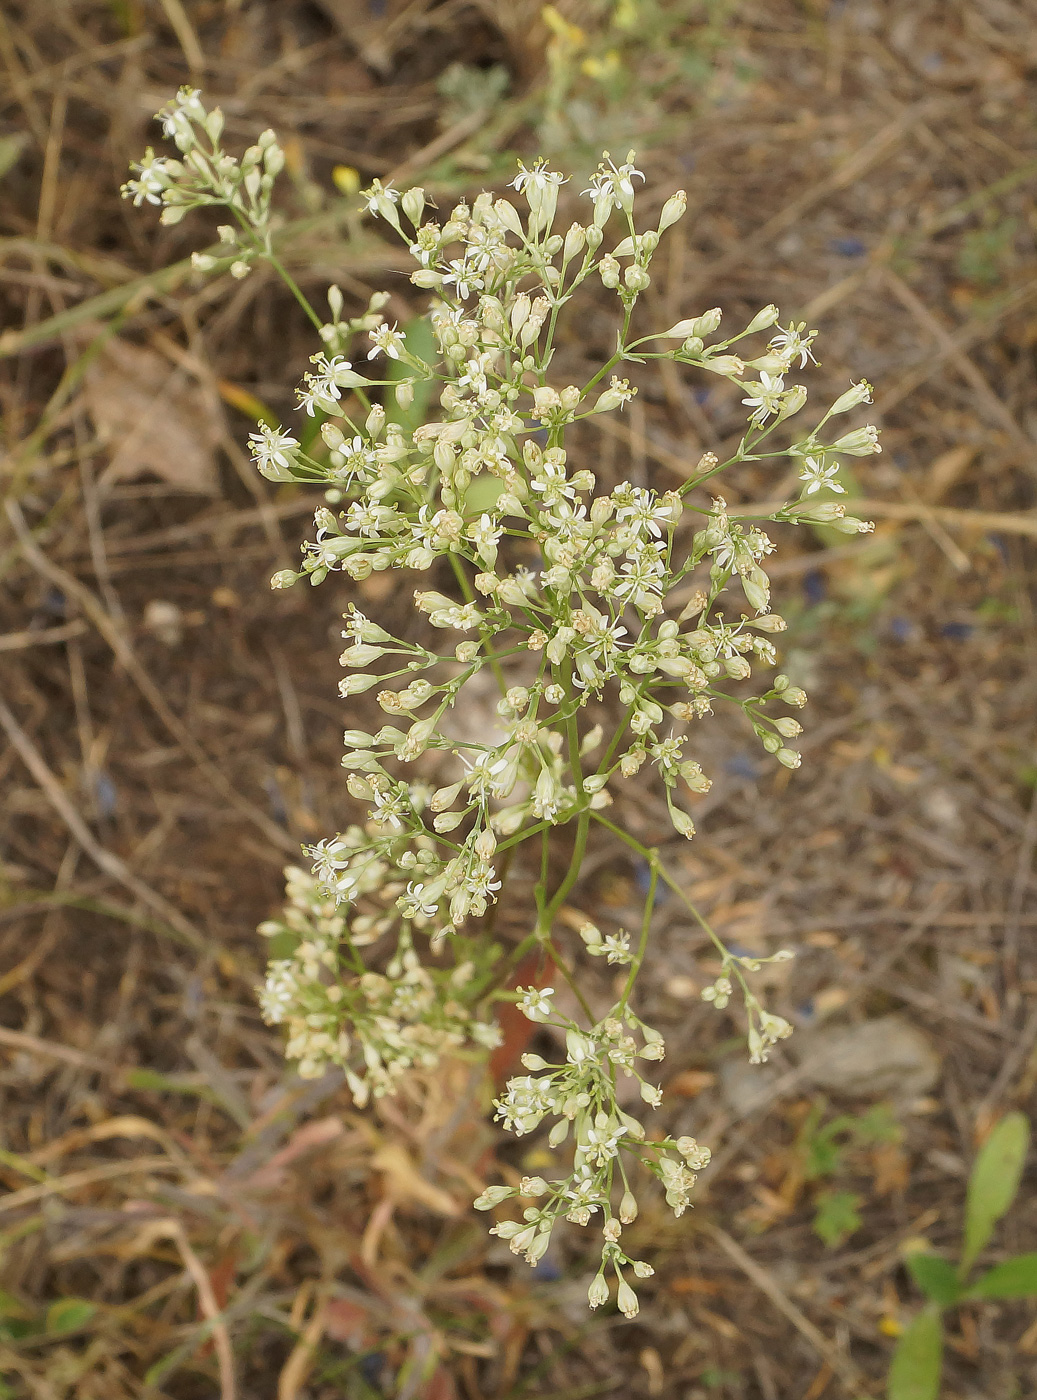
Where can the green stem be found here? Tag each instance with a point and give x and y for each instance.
(296, 291)
(646, 924)
(654, 863)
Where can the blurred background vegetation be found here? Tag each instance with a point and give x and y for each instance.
(183, 1218)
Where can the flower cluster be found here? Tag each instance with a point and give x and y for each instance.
(580, 1095)
(561, 591)
(375, 1026)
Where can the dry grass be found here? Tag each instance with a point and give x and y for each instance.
(872, 169)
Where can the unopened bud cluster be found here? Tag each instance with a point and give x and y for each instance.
(559, 591)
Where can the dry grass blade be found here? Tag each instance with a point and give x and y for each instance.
(840, 1363)
(120, 645)
(294, 1372)
(48, 636)
(90, 1176)
(49, 1049)
(104, 859)
(172, 1229)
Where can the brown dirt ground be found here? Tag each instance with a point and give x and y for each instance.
(870, 167)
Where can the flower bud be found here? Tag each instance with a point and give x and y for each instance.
(492, 1195)
(762, 320)
(789, 758)
(444, 797)
(608, 271)
(598, 1293)
(793, 401)
(863, 442)
(485, 844)
(729, 365)
(675, 208)
(858, 393)
(821, 512)
(574, 243)
(357, 739)
(413, 204)
(792, 695)
(361, 655)
(533, 1186)
(626, 1299)
(703, 325)
(356, 685)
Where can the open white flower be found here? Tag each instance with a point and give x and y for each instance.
(816, 475)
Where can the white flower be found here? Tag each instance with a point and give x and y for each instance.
(481, 883)
(643, 510)
(539, 179)
(464, 276)
(535, 1002)
(601, 1145)
(272, 447)
(792, 342)
(322, 389)
(388, 340)
(613, 184)
(380, 198)
(154, 178)
(422, 904)
(766, 396)
(816, 475)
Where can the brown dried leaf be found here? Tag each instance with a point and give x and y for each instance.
(154, 418)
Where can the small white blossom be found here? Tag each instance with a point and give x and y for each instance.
(816, 475)
(765, 396)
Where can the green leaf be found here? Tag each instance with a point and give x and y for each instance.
(837, 1216)
(1015, 1278)
(68, 1315)
(935, 1277)
(914, 1372)
(994, 1182)
(879, 1124)
(10, 1306)
(421, 341)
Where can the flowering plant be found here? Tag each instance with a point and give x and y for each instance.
(560, 596)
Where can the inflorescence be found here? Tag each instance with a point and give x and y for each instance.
(558, 592)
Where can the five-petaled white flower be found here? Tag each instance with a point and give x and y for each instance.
(793, 341)
(535, 1002)
(538, 179)
(816, 475)
(766, 396)
(272, 447)
(386, 340)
